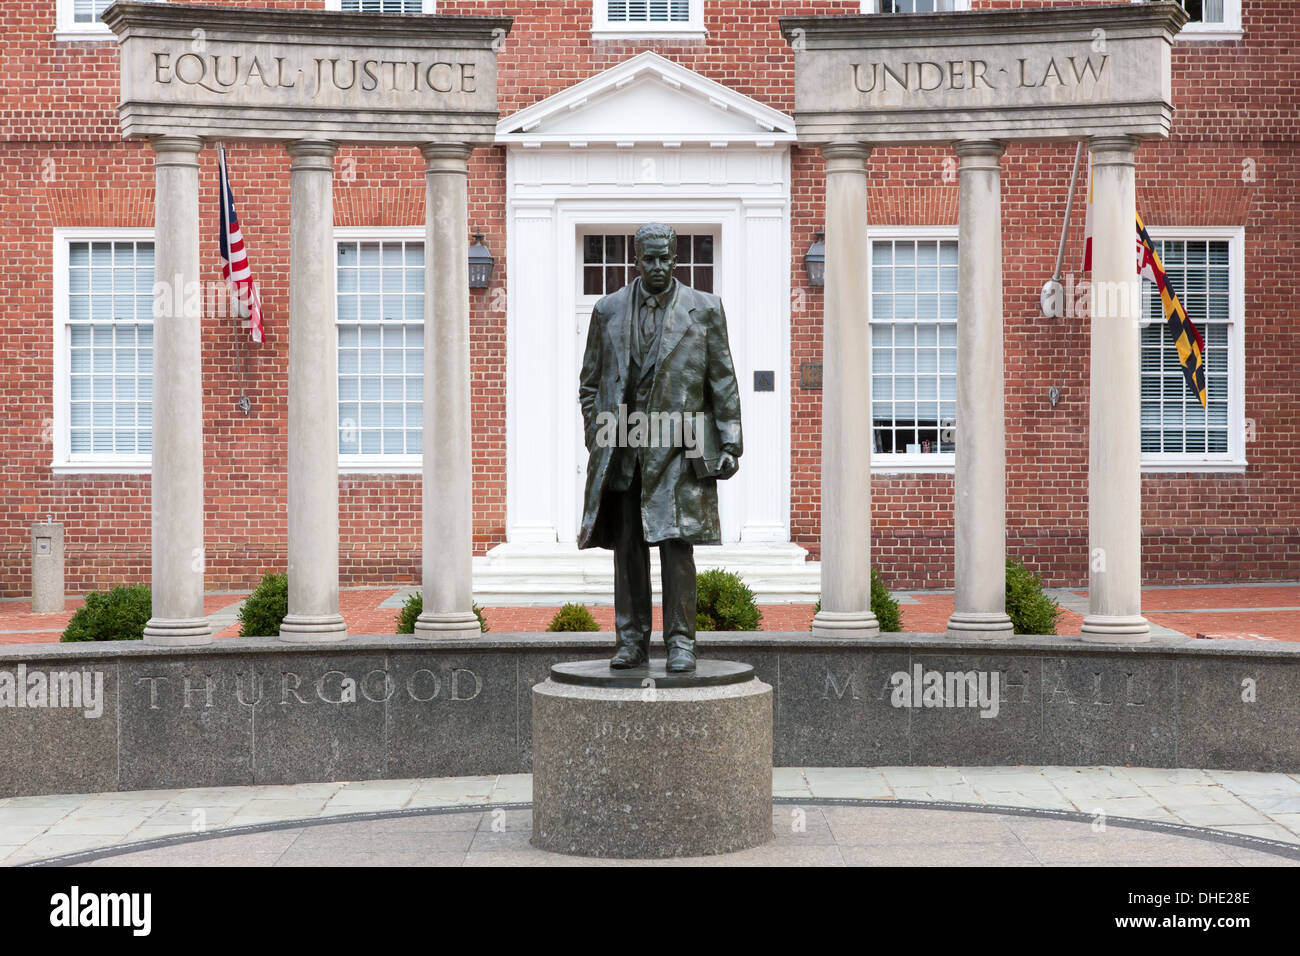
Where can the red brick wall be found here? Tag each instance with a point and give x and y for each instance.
(62, 163)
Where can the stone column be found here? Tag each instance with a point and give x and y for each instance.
(447, 498)
(313, 400)
(1114, 449)
(177, 482)
(846, 403)
(979, 511)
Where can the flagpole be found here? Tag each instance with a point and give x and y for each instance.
(1069, 207)
(243, 404)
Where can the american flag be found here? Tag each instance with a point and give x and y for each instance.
(1087, 223)
(235, 268)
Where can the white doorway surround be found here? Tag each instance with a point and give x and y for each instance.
(645, 140)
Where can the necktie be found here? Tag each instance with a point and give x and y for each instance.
(648, 322)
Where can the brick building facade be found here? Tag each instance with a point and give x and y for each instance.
(1221, 494)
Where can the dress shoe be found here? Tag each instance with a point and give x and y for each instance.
(680, 660)
(630, 655)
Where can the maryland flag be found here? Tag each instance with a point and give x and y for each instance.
(1191, 348)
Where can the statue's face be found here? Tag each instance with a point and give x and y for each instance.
(656, 264)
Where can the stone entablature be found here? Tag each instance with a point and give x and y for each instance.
(253, 74)
(1000, 75)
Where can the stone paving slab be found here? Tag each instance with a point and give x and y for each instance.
(875, 835)
(1247, 803)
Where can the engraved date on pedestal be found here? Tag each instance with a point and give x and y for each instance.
(635, 731)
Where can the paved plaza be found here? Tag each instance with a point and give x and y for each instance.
(1265, 612)
(946, 816)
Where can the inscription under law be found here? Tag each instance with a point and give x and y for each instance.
(229, 73)
(928, 76)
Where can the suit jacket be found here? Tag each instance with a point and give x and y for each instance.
(693, 374)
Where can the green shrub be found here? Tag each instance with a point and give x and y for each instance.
(1031, 609)
(883, 605)
(414, 607)
(263, 611)
(119, 614)
(573, 617)
(724, 603)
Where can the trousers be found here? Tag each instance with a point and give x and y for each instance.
(632, 594)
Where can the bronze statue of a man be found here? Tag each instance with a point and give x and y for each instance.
(661, 410)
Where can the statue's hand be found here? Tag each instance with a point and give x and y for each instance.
(727, 465)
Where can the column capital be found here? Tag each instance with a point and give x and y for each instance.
(972, 150)
(311, 154)
(1113, 150)
(446, 157)
(846, 157)
(176, 150)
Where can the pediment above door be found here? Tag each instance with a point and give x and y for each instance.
(647, 100)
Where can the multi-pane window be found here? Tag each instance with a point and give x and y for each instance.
(88, 11)
(918, 6)
(609, 262)
(648, 16)
(1204, 11)
(1173, 421)
(1210, 19)
(109, 336)
(380, 294)
(648, 11)
(383, 6)
(80, 19)
(914, 348)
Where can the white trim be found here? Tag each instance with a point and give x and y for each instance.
(873, 6)
(529, 126)
(1229, 29)
(1235, 459)
(381, 465)
(377, 233)
(885, 463)
(427, 6)
(602, 28)
(747, 202)
(61, 461)
(373, 464)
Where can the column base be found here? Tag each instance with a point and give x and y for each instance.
(990, 624)
(313, 629)
(177, 631)
(1115, 629)
(433, 624)
(845, 624)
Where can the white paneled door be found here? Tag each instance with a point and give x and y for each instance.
(606, 261)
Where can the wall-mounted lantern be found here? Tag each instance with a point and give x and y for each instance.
(481, 264)
(814, 262)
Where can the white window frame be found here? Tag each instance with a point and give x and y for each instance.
(873, 6)
(66, 28)
(1235, 459)
(62, 462)
(602, 28)
(1229, 29)
(373, 464)
(428, 6)
(891, 462)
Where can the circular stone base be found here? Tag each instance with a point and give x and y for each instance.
(707, 673)
(651, 771)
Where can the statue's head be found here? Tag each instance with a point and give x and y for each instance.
(656, 255)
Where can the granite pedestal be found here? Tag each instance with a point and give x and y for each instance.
(645, 764)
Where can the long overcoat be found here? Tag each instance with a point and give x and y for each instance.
(693, 374)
